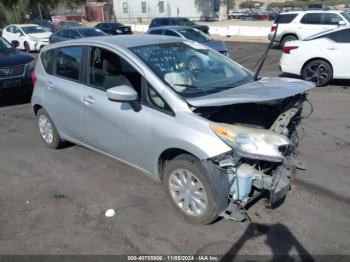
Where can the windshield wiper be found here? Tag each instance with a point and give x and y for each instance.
(193, 87)
(264, 56)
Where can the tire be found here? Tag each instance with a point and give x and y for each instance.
(286, 39)
(26, 47)
(48, 131)
(318, 71)
(213, 184)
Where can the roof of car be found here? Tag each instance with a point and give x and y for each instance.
(170, 17)
(312, 11)
(172, 27)
(124, 40)
(24, 25)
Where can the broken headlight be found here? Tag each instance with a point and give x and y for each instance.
(252, 143)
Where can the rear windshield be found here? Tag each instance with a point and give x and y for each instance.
(285, 19)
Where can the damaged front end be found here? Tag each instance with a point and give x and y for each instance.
(264, 138)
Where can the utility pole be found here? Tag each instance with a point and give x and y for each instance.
(41, 17)
(14, 9)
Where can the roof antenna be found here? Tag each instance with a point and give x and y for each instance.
(264, 56)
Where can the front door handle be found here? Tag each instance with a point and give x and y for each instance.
(88, 100)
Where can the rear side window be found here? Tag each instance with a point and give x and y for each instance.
(165, 22)
(312, 18)
(47, 59)
(68, 62)
(285, 19)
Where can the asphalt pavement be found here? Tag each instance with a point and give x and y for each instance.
(53, 201)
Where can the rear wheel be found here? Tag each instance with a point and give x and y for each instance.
(319, 72)
(196, 192)
(286, 39)
(47, 129)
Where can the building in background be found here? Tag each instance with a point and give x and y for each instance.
(145, 10)
(99, 12)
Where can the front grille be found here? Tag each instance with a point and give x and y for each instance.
(11, 71)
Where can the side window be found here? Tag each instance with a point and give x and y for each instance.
(9, 29)
(47, 60)
(156, 32)
(68, 61)
(73, 34)
(331, 19)
(108, 70)
(16, 30)
(62, 33)
(164, 22)
(155, 100)
(311, 18)
(170, 33)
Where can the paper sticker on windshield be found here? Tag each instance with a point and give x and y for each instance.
(196, 45)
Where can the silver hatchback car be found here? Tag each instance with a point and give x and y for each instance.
(215, 137)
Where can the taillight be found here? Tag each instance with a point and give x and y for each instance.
(273, 28)
(287, 49)
(33, 77)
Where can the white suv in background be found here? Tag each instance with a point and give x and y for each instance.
(302, 24)
(31, 37)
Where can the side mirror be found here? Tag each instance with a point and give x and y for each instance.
(122, 93)
(126, 94)
(341, 23)
(14, 43)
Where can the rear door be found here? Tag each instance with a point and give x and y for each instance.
(63, 91)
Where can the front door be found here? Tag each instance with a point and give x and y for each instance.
(115, 128)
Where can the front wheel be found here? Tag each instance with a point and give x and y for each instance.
(200, 195)
(319, 72)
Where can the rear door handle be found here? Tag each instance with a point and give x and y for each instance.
(49, 85)
(88, 100)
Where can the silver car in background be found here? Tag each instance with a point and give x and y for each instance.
(215, 137)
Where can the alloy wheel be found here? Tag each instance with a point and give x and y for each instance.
(46, 130)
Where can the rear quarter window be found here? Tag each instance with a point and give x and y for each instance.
(47, 59)
(285, 19)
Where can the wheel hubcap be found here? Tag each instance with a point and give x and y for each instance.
(45, 128)
(188, 192)
(316, 73)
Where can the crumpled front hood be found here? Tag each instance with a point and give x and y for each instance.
(265, 90)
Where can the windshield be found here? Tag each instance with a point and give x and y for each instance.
(4, 44)
(192, 69)
(184, 21)
(194, 34)
(91, 32)
(33, 29)
(346, 15)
